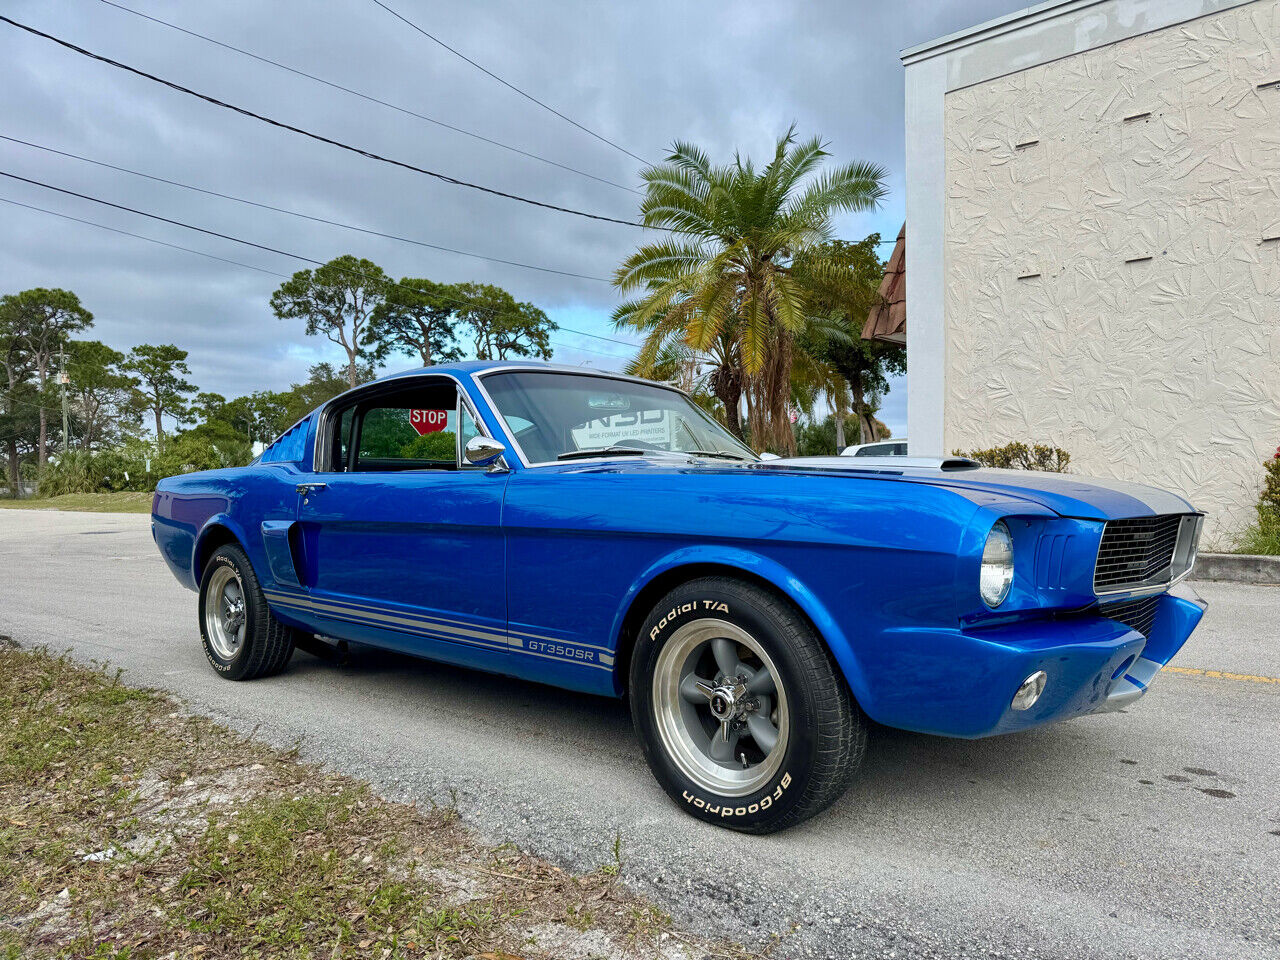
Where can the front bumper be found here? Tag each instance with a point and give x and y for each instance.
(1177, 615)
(960, 682)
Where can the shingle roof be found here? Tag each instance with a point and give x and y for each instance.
(887, 320)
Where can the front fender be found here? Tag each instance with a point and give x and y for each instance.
(762, 568)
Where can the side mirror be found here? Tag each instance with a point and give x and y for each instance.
(483, 451)
(769, 456)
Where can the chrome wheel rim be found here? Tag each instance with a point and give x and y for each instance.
(721, 713)
(225, 617)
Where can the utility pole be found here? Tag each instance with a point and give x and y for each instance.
(63, 380)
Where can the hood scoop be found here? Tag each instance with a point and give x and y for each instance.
(894, 465)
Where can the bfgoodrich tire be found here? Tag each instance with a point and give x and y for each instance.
(242, 639)
(742, 713)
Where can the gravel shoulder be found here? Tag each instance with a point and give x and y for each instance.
(122, 502)
(135, 831)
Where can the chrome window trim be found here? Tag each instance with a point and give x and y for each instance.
(1187, 544)
(478, 379)
(325, 411)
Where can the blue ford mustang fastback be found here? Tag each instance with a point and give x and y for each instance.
(603, 534)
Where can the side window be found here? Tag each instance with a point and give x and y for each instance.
(413, 428)
(467, 430)
(342, 448)
(405, 438)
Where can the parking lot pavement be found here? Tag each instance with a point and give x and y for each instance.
(1150, 833)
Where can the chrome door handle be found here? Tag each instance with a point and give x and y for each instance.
(308, 488)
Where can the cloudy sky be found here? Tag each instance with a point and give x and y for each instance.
(725, 76)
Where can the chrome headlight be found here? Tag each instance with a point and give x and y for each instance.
(997, 566)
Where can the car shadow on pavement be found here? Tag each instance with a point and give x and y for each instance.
(901, 770)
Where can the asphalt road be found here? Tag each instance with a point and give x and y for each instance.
(1152, 833)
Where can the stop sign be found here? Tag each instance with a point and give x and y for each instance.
(428, 421)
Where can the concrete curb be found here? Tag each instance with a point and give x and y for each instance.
(1237, 567)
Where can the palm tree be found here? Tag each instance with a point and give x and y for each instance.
(726, 272)
(814, 376)
(717, 372)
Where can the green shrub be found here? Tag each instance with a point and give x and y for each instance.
(124, 469)
(441, 446)
(1270, 498)
(72, 472)
(108, 471)
(1262, 537)
(1020, 456)
(817, 438)
(201, 450)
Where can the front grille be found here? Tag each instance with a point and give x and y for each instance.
(1136, 614)
(1134, 550)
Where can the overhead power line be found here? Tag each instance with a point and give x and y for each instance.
(156, 216)
(510, 86)
(583, 333)
(139, 236)
(295, 213)
(455, 181)
(26, 403)
(276, 273)
(370, 98)
(233, 239)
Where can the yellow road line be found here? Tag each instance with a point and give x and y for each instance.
(1220, 674)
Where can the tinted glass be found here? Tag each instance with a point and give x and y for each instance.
(344, 437)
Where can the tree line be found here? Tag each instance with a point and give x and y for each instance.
(113, 398)
(354, 304)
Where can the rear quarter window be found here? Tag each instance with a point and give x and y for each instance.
(290, 447)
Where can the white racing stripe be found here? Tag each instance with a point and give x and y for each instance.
(437, 628)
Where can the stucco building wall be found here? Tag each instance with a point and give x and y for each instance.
(1111, 284)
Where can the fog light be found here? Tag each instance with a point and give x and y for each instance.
(1030, 691)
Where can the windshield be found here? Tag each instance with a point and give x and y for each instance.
(557, 416)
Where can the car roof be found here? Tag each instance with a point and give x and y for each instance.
(480, 366)
(476, 368)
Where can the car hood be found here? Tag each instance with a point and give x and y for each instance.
(1064, 493)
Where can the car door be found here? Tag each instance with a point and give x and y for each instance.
(401, 540)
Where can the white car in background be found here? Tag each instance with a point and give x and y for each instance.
(881, 448)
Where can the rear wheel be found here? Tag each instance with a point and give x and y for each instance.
(242, 639)
(744, 717)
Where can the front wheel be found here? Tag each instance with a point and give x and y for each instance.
(242, 639)
(744, 718)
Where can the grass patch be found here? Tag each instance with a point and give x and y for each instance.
(131, 830)
(1262, 537)
(120, 502)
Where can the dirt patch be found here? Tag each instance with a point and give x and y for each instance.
(132, 830)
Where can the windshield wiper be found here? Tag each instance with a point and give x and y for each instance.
(604, 451)
(716, 453)
(636, 452)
